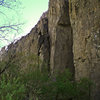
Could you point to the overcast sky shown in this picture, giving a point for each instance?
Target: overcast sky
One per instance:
(31, 11)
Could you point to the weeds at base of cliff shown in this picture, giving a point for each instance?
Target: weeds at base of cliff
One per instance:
(37, 85)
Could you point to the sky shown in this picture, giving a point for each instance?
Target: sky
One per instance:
(28, 13)
(33, 11)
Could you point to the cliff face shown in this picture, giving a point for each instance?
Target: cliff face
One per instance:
(36, 44)
(60, 35)
(85, 21)
(66, 36)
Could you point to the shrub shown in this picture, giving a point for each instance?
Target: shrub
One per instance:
(33, 81)
(11, 89)
(33, 84)
(62, 87)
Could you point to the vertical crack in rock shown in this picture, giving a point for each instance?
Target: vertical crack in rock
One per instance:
(61, 39)
(43, 43)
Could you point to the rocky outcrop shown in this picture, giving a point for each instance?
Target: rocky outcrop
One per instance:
(66, 36)
(50, 40)
(61, 39)
(36, 44)
(85, 21)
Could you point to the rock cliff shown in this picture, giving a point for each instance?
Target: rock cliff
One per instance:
(66, 36)
(60, 32)
(85, 22)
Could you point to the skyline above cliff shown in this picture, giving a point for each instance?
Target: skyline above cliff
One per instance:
(28, 13)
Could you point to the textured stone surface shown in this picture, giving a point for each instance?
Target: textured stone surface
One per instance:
(60, 36)
(85, 20)
(68, 32)
(30, 45)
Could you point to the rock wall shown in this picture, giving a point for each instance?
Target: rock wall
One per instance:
(85, 21)
(66, 36)
(61, 39)
(36, 44)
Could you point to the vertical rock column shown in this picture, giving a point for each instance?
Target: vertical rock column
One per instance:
(60, 32)
(85, 20)
(43, 42)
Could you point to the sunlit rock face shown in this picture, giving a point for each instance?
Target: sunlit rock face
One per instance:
(66, 36)
(60, 32)
(85, 21)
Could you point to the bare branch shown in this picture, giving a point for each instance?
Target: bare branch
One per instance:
(7, 4)
(14, 27)
(7, 28)
(4, 30)
(1, 2)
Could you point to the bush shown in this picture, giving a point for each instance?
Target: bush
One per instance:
(11, 89)
(36, 85)
(33, 81)
(62, 87)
